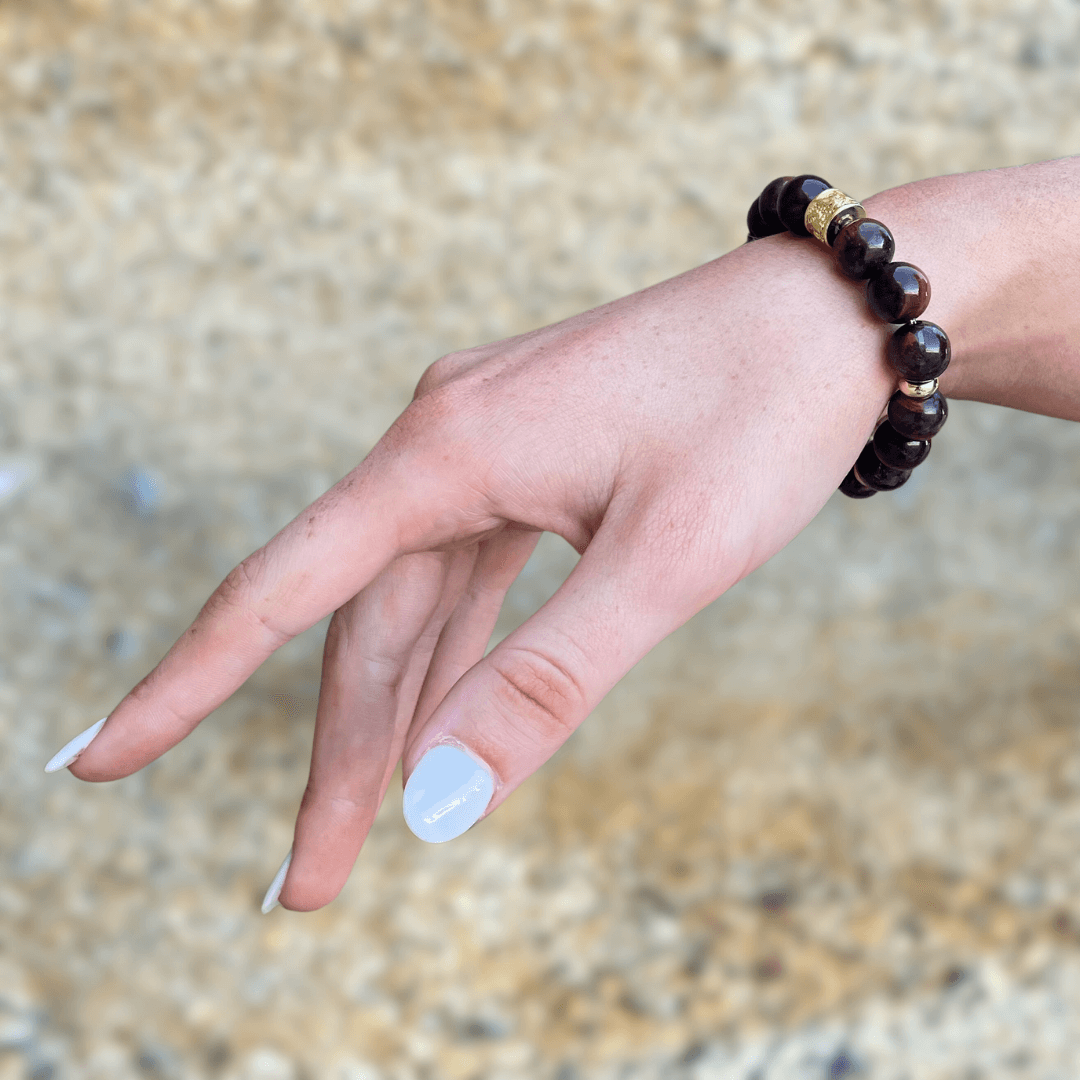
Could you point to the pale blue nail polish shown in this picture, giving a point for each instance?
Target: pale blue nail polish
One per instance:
(270, 900)
(67, 755)
(446, 794)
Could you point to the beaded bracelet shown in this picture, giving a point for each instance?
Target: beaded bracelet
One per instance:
(896, 292)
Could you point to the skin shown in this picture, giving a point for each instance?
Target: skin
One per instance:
(677, 438)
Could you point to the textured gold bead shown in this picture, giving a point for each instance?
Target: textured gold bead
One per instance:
(918, 390)
(824, 207)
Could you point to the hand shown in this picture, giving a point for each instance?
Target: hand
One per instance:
(677, 438)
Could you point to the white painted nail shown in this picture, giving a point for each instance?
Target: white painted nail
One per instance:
(65, 757)
(446, 794)
(270, 900)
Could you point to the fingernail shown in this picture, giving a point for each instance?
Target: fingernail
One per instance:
(270, 900)
(446, 794)
(65, 757)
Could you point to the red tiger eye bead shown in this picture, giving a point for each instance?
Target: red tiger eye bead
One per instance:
(918, 418)
(854, 488)
(898, 292)
(919, 351)
(767, 205)
(874, 473)
(898, 451)
(755, 225)
(862, 248)
(795, 197)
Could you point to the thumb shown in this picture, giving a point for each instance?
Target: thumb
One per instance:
(511, 711)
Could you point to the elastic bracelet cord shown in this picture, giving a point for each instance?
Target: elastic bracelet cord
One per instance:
(896, 292)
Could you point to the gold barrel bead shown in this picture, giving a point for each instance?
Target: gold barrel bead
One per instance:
(825, 206)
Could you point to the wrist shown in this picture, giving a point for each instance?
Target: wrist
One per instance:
(812, 329)
(1000, 249)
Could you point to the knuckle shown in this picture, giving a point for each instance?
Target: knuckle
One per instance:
(442, 433)
(541, 690)
(238, 594)
(381, 658)
(350, 806)
(238, 588)
(439, 373)
(341, 806)
(385, 674)
(426, 420)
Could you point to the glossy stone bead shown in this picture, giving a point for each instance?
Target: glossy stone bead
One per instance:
(917, 419)
(767, 205)
(755, 224)
(853, 488)
(898, 292)
(862, 248)
(898, 451)
(918, 351)
(795, 197)
(875, 474)
(842, 221)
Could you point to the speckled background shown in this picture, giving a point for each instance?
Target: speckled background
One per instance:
(829, 829)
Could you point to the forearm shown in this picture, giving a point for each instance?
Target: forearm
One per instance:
(1002, 251)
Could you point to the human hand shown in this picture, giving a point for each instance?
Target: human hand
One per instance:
(677, 438)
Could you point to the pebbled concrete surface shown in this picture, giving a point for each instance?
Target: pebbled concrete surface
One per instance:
(829, 829)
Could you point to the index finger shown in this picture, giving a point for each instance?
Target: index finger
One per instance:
(392, 503)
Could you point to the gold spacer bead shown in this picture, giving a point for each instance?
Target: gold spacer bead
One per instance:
(824, 207)
(918, 390)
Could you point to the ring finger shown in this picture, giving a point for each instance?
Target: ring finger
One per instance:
(376, 655)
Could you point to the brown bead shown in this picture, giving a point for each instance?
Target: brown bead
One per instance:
(853, 488)
(898, 292)
(770, 216)
(842, 221)
(874, 473)
(754, 223)
(918, 419)
(918, 351)
(862, 248)
(898, 451)
(795, 197)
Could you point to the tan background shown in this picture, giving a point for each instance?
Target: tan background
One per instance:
(828, 829)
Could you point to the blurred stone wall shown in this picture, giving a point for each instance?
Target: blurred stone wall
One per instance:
(828, 829)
